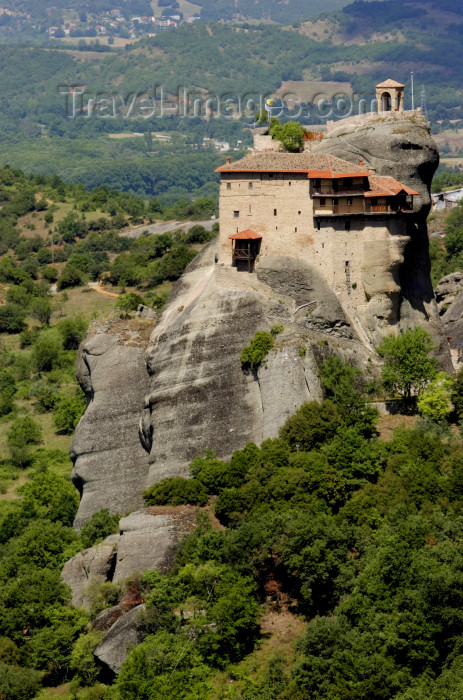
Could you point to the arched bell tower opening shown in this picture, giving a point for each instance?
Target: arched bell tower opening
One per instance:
(385, 102)
(390, 96)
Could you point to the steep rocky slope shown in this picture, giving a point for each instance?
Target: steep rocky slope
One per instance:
(196, 394)
(110, 466)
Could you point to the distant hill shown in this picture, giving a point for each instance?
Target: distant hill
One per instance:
(281, 11)
(352, 48)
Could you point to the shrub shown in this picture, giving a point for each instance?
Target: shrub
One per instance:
(72, 331)
(22, 435)
(176, 491)
(82, 659)
(435, 400)
(50, 273)
(68, 412)
(100, 525)
(12, 318)
(129, 302)
(41, 310)
(255, 353)
(7, 392)
(46, 351)
(311, 426)
(18, 683)
(71, 277)
(407, 366)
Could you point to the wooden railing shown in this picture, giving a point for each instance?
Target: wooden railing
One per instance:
(330, 192)
(348, 209)
(243, 254)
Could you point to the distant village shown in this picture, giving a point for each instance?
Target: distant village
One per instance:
(108, 24)
(113, 23)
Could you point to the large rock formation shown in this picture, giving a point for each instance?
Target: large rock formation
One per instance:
(148, 539)
(199, 396)
(447, 290)
(110, 466)
(196, 394)
(125, 633)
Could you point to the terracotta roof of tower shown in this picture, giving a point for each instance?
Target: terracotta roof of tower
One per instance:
(314, 164)
(387, 187)
(390, 84)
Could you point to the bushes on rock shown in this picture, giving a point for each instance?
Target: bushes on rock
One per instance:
(99, 526)
(255, 353)
(176, 491)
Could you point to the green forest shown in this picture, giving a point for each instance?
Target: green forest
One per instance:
(325, 563)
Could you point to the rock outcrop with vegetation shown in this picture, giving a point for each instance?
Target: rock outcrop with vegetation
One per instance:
(197, 395)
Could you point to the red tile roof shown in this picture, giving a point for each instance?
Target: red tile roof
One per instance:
(274, 162)
(315, 165)
(390, 84)
(246, 235)
(387, 187)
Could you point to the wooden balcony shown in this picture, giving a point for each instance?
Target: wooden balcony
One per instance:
(363, 208)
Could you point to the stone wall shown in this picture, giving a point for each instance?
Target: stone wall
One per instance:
(286, 232)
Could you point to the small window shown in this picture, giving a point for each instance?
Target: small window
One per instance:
(228, 185)
(323, 245)
(236, 214)
(318, 226)
(323, 201)
(299, 213)
(317, 183)
(349, 200)
(335, 201)
(250, 185)
(289, 184)
(250, 209)
(295, 229)
(274, 212)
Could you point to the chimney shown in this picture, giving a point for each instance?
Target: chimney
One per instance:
(228, 160)
(361, 162)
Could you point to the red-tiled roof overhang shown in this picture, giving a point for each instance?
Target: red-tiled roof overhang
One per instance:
(246, 235)
(387, 187)
(328, 174)
(225, 169)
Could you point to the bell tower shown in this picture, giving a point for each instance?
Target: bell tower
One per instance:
(390, 96)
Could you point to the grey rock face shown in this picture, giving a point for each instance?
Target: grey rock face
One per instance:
(453, 322)
(94, 564)
(199, 395)
(109, 463)
(148, 539)
(317, 308)
(145, 312)
(447, 290)
(126, 632)
(402, 148)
